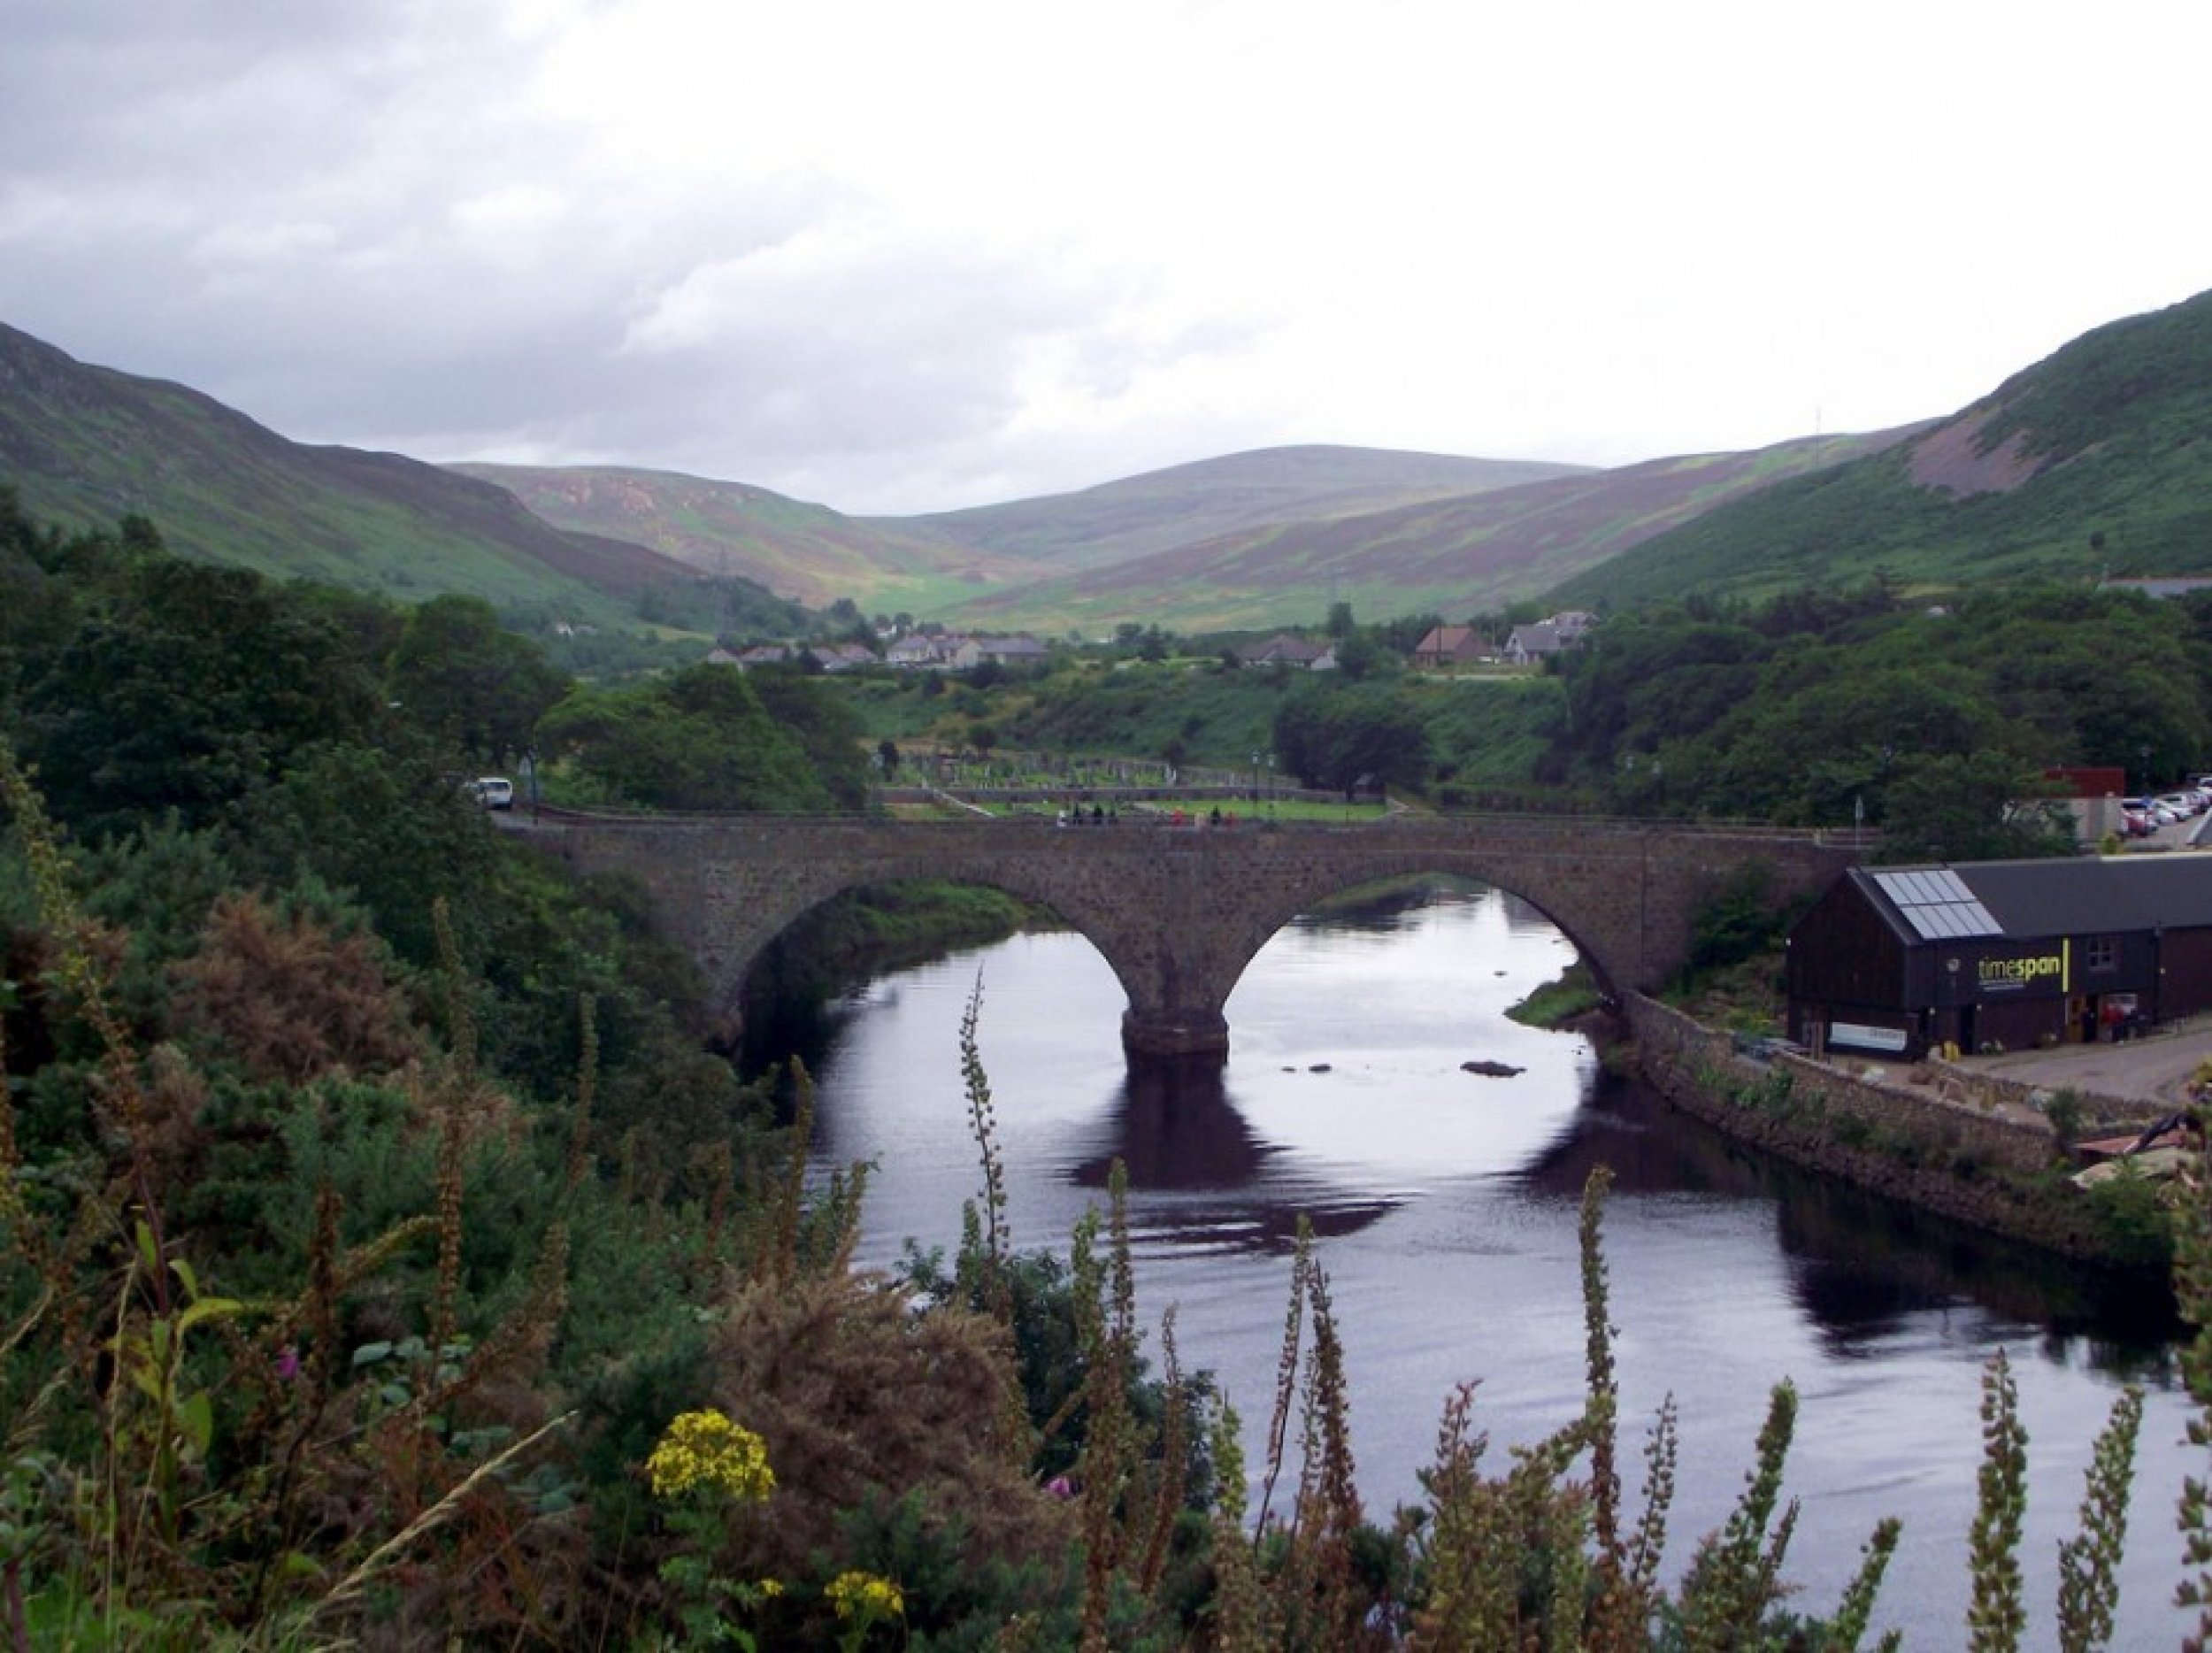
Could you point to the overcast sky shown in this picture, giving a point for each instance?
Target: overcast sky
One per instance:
(900, 255)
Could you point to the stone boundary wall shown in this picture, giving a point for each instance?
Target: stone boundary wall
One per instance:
(1986, 1166)
(2008, 1130)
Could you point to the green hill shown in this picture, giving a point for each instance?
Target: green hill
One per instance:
(1014, 558)
(84, 446)
(2096, 462)
(1456, 556)
(808, 553)
(1239, 494)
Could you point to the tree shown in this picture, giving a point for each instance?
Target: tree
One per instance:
(823, 722)
(475, 684)
(1964, 808)
(186, 687)
(1362, 655)
(700, 739)
(1339, 736)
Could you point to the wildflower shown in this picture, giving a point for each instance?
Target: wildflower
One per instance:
(705, 1448)
(288, 1363)
(866, 1598)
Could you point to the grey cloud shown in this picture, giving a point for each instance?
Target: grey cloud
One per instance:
(278, 219)
(300, 212)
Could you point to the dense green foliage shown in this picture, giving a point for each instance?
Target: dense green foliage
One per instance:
(221, 729)
(353, 1067)
(710, 738)
(1357, 736)
(1471, 739)
(478, 687)
(1933, 724)
(382, 1261)
(1927, 722)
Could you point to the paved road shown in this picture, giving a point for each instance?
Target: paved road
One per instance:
(2154, 1068)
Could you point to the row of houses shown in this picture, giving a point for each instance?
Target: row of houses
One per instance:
(944, 653)
(950, 652)
(1443, 646)
(954, 651)
(1286, 650)
(1525, 645)
(831, 656)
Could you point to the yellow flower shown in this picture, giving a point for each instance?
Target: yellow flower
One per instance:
(706, 1450)
(866, 1596)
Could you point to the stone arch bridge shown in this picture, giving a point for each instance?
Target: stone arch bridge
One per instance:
(1179, 912)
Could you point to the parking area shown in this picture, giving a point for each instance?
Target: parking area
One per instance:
(2156, 1067)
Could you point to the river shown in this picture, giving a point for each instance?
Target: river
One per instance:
(1445, 1202)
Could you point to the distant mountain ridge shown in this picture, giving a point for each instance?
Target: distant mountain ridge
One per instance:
(1458, 555)
(1136, 517)
(1259, 538)
(2098, 460)
(85, 446)
(944, 562)
(810, 553)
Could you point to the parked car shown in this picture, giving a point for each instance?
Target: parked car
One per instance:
(2181, 803)
(493, 792)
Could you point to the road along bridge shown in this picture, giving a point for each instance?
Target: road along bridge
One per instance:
(1180, 911)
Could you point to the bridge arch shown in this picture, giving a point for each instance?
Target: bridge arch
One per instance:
(731, 953)
(1178, 913)
(1303, 895)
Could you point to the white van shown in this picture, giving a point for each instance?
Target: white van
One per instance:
(493, 792)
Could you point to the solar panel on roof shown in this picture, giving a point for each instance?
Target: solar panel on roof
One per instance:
(1937, 904)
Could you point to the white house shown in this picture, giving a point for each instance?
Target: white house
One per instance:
(1544, 638)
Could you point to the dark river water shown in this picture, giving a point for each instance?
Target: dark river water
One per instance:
(1445, 1203)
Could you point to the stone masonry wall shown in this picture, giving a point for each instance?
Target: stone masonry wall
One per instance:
(1974, 1157)
(2000, 1130)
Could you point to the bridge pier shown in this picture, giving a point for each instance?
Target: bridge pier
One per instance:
(1183, 1038)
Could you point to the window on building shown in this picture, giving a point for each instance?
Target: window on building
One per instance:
(2101, 953)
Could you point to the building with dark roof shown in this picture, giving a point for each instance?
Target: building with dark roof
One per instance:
(2001, 955)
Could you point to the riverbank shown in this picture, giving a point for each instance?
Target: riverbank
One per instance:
(1976, 1144)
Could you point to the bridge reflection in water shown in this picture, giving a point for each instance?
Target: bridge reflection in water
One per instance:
(1182, 1142)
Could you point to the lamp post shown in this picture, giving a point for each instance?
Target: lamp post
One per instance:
(1256, 777)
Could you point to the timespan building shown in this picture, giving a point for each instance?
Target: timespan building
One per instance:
(1896, 962)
